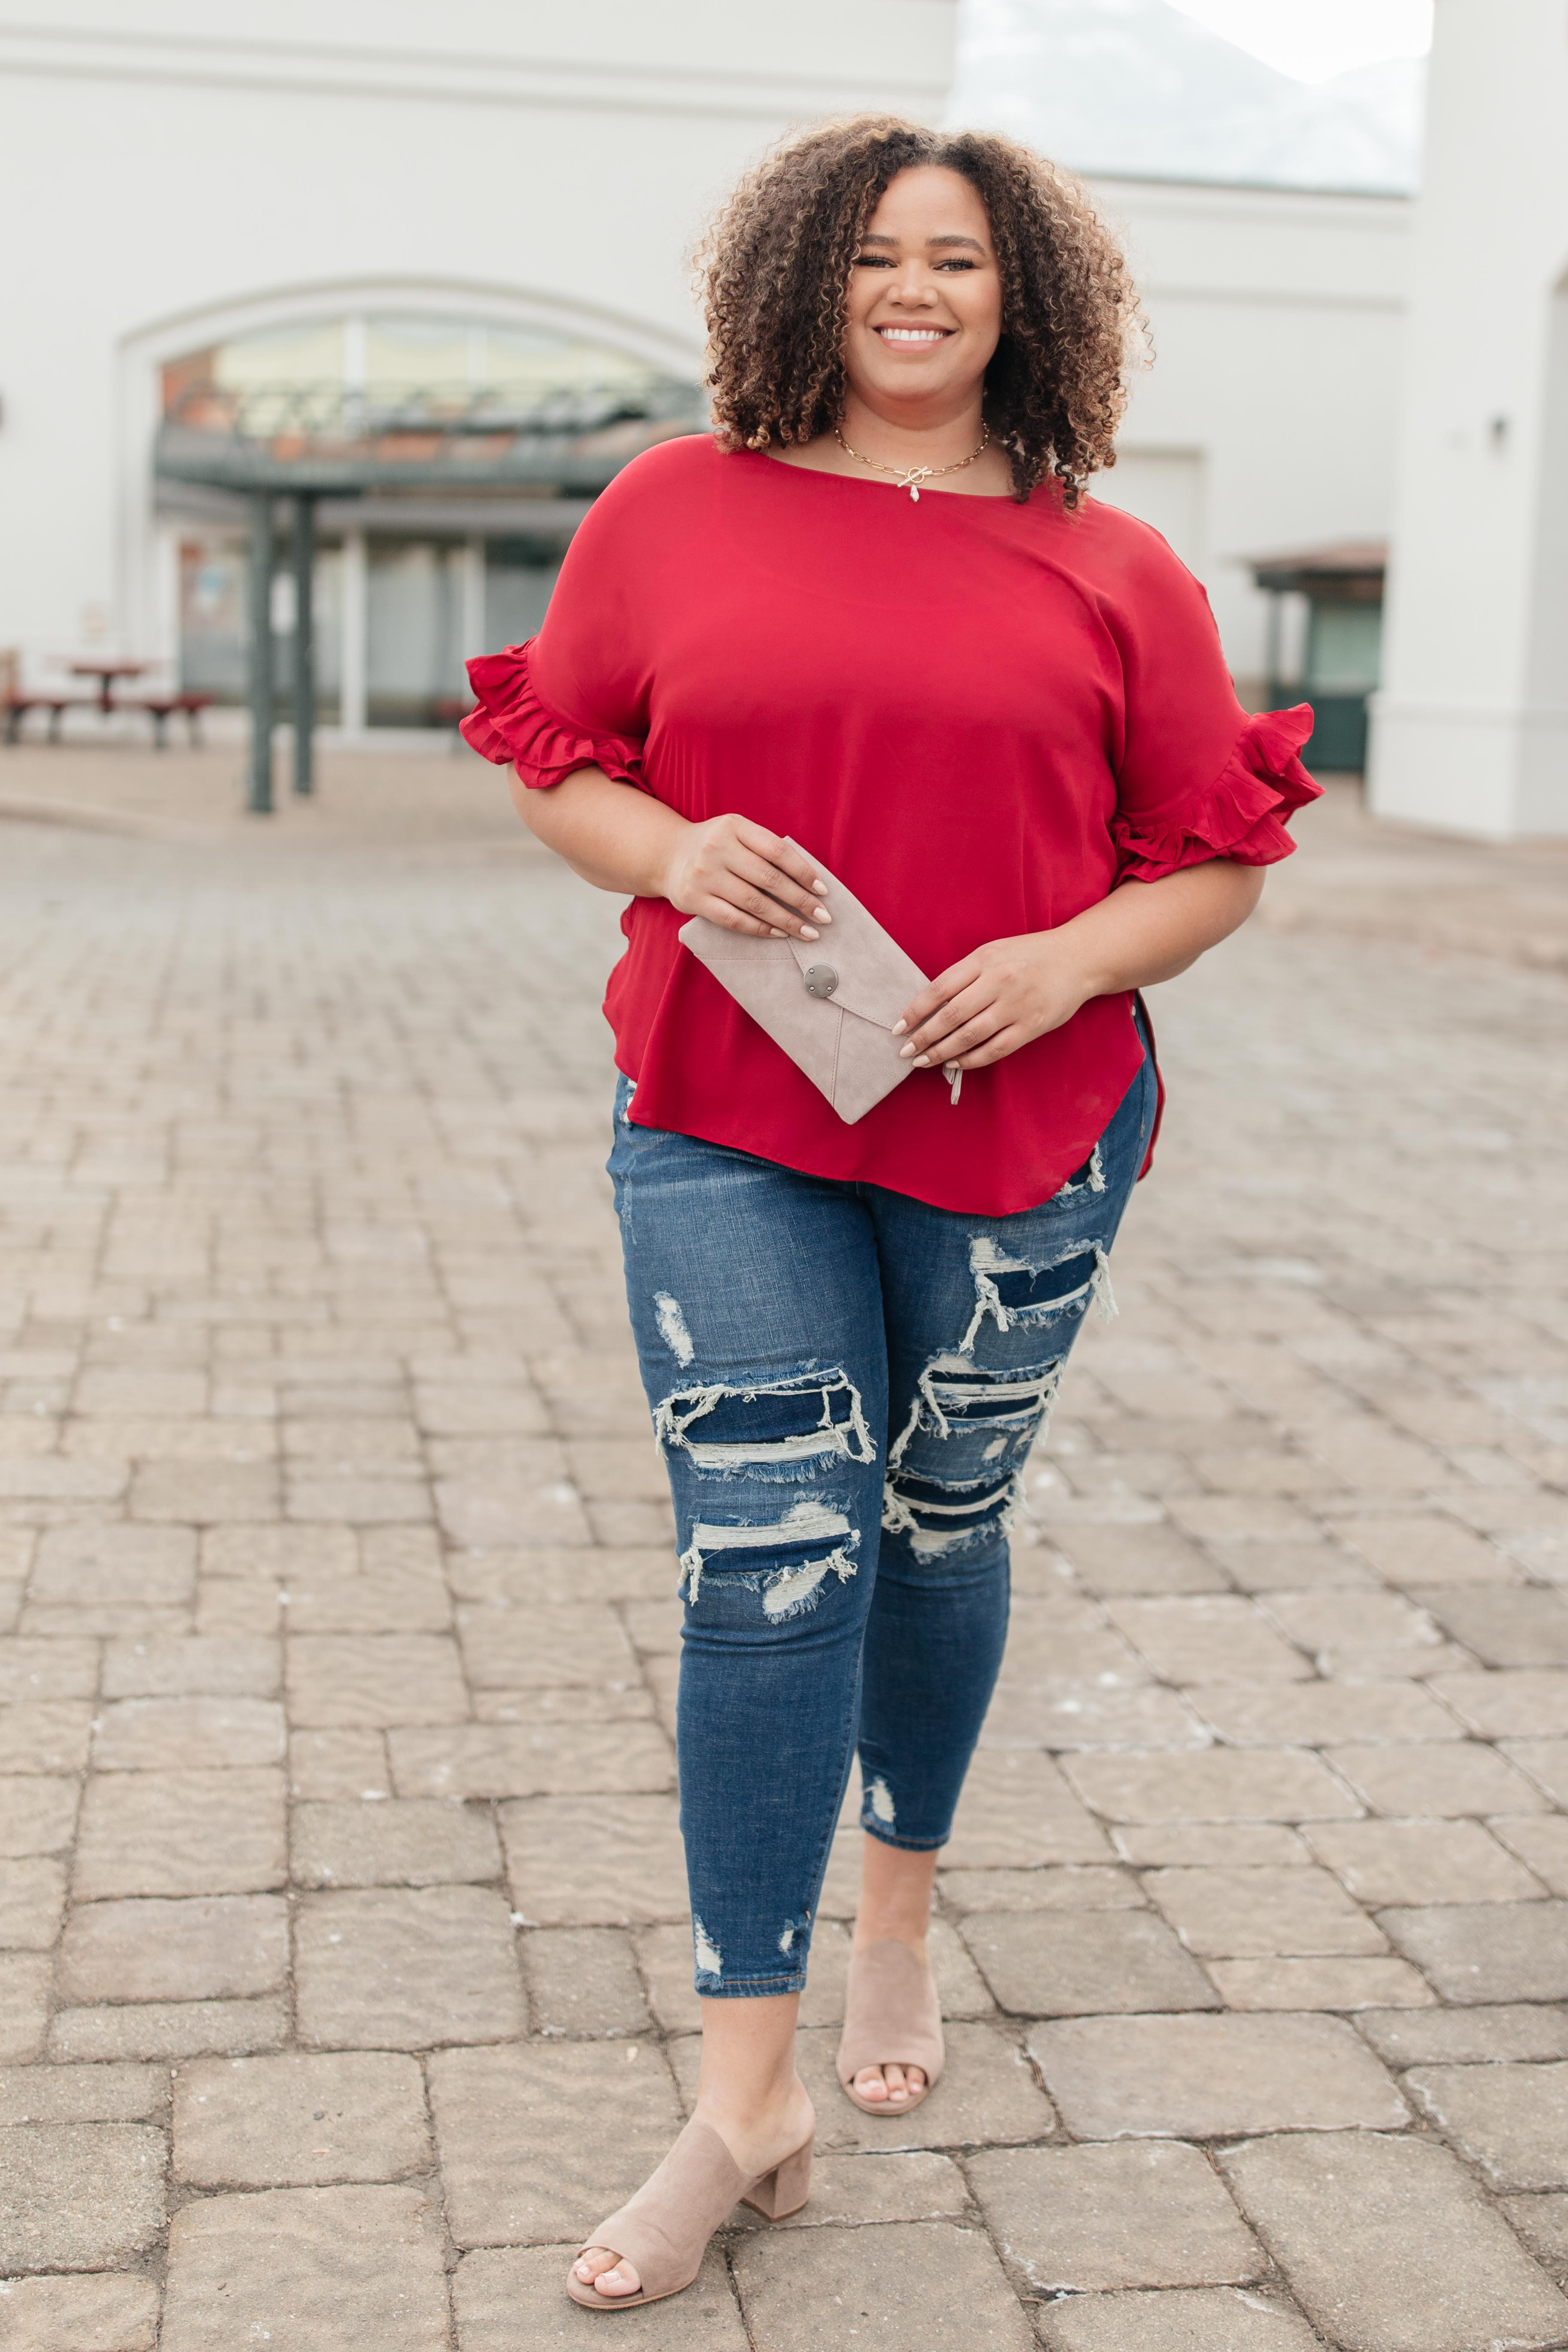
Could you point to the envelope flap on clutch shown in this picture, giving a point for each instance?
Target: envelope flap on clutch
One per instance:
(874, 976)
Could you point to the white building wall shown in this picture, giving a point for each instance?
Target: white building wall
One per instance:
(185, 173)
(1277, 322)
(161, 162)
(1471, 729)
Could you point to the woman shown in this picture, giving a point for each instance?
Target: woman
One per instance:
(872, 616)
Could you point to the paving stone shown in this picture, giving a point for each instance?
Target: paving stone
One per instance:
(315, 2268)
(1126, 2215)
(87, 1565)
(1521, 1627)
(181, 1834)
(1112, 1559)
(32, 1902)
(406, 1600)
(1542, 2223)
(555, 1848)
(338, 1680)
(1081, 1964)
(36, 1814)
(513, 1649)
(1546, 1762)
(1510, 2120)
(1364, 1636)
(1542, 1843)
(107, 2313)
(1389, 1861)
(538, 2142)
(914, 2286)
(1208, 1638)
(1469, 2036)
(846, 2192)
(150, 1734)
(349, 1765)
(1486, 1951)
(203, 1493)
(1322, 1714)
(1071, 1715)
(298, 2120)
(1017, 1813)
(31, 1671)
(1211, 2077)
(1260, 1913)
(987, 2096)
(180, 2029)
(211, 1947)
(511, 2299)
(1213, 2319)
(1389, 2246)
(1419, 1548)
(1514, 1703)
(24, 1979)
(1211, 1845)
(394, 1968)
(1081, 1887)
(538, 1758)
(1323, 1984)
(79, 2195)
(195, 1664)
(45, 1736)
(1435, 1782)
(1281, 1784)
(583, 1981)
(82, 2094)
(411, 1841)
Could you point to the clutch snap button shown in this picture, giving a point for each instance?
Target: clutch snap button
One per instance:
(821, 979)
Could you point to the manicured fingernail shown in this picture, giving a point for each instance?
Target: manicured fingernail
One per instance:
(822, 914)
(899, 1027)
(819, 886)
(807, 933)
(922, 1061)
(906, 1053)
(778, 935)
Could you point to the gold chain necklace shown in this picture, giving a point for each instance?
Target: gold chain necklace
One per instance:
(909, 477)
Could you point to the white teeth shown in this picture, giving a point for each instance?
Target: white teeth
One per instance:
(911, 334)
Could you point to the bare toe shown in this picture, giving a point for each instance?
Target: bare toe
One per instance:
(599, 2268)
(898, 2092)
(870, 2083)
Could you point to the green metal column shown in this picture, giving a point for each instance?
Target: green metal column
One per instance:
(304, 680)
(259, 799)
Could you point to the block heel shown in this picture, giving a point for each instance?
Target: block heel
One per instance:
(785, 2190)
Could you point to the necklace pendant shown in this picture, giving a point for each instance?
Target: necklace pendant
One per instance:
(914, 494)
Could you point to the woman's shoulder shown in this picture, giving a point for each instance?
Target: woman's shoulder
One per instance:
(1117, 554)
(669, 470)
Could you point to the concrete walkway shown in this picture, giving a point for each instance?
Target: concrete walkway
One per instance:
(345, 1977)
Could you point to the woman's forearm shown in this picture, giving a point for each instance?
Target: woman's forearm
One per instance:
(613, 836)
(1149, 931)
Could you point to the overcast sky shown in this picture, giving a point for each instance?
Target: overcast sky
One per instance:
(1314, 38)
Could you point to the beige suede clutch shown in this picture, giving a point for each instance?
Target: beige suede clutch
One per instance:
(830, 1003)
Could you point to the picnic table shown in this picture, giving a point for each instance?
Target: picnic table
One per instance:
(106, 672)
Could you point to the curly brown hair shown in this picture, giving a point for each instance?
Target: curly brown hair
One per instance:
(774, 275)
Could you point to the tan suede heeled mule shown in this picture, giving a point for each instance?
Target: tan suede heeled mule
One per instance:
(663, 2231)
(891, 2018)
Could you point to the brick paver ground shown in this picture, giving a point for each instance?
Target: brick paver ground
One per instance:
(344, 1978)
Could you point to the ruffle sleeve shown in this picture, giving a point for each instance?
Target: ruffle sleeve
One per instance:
(514, 727)
(1241, 815)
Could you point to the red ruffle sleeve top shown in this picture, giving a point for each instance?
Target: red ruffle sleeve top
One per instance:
(981, 714)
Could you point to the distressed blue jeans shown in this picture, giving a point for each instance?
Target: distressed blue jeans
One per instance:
(846, 1384)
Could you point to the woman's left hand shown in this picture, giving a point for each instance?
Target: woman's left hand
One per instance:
(987, 1005)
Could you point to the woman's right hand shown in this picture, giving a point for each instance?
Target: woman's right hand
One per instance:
(745, 879)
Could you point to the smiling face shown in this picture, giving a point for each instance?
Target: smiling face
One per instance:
(925, 298)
